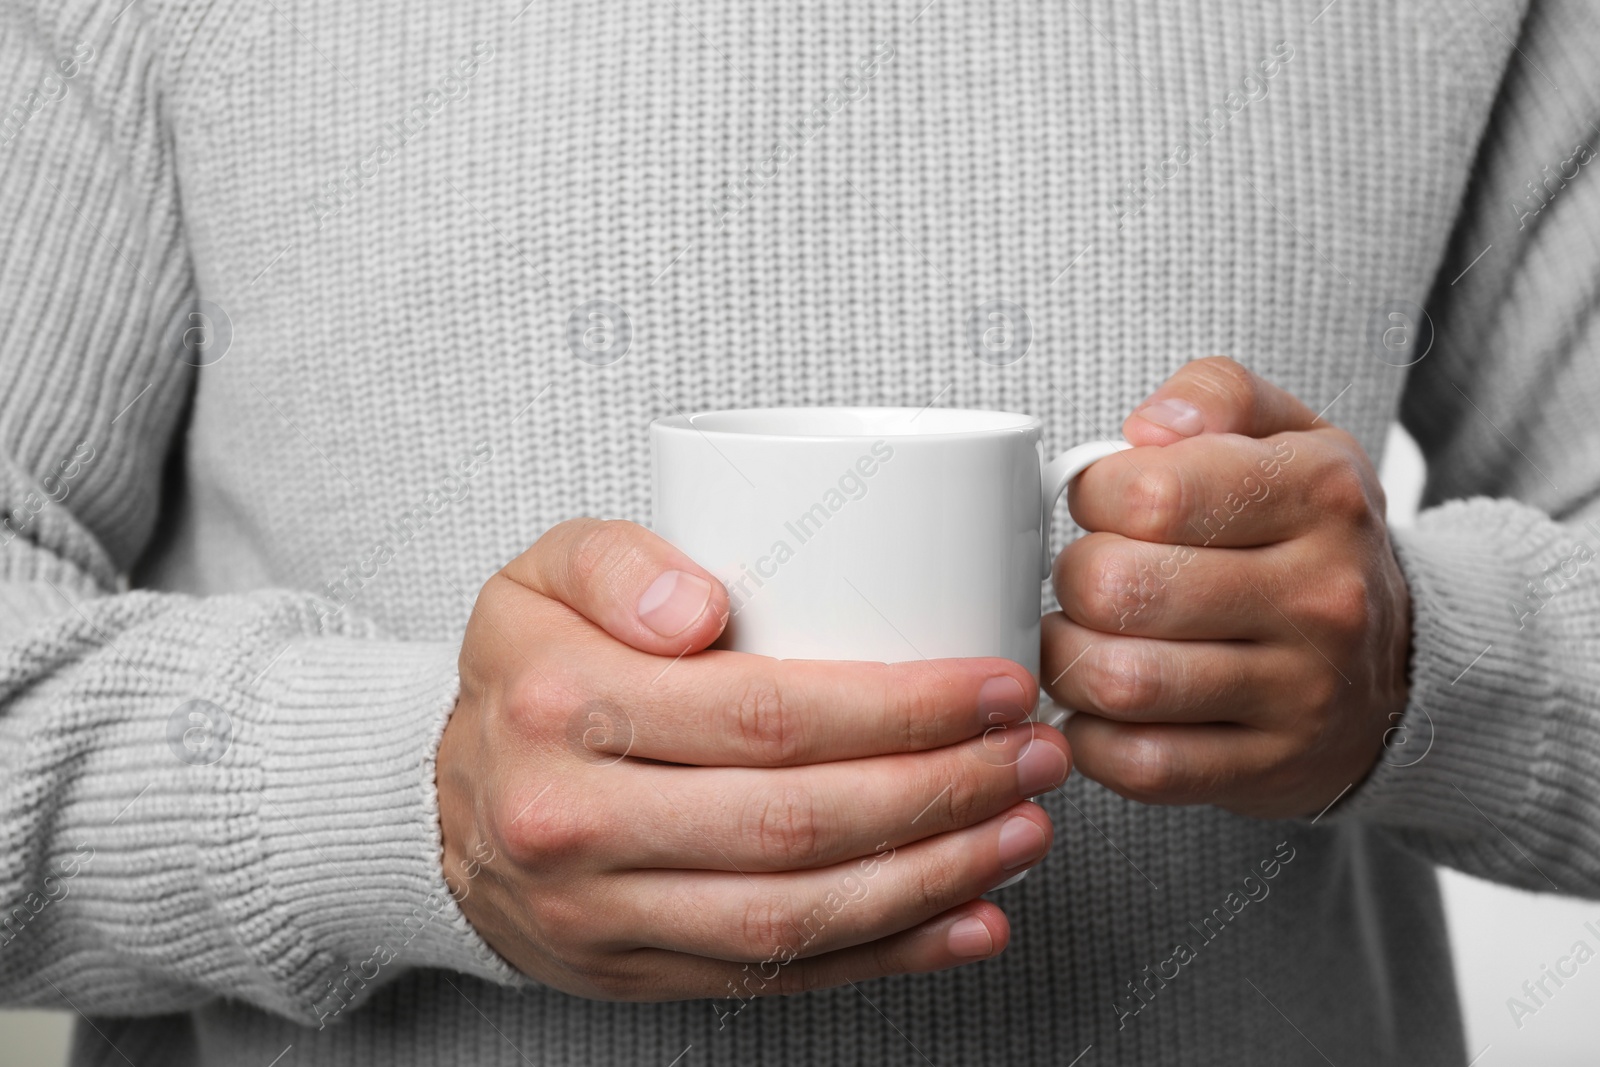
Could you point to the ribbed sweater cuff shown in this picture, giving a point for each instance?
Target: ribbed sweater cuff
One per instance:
(1478, 725)
(349, 820)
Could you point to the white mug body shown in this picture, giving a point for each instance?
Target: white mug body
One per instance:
(883, 534)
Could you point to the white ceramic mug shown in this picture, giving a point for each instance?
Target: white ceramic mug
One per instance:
(882, 534)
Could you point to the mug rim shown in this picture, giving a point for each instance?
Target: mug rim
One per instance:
(1003, 423)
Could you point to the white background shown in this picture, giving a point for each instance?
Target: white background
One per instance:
(1503, 937)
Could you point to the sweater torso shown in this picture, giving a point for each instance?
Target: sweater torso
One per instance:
(397, 214)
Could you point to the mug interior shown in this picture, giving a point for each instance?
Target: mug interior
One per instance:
(852, 422)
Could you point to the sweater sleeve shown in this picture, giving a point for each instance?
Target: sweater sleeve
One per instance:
(199, 797)
(1494, 767)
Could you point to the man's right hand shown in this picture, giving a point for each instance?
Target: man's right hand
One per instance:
(629, 817)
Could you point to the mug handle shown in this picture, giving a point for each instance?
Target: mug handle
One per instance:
(1054, 478)
(1056, 475)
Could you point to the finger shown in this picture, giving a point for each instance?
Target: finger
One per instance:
(795, 818)
(1224, 491)
(1115, 585)
(628, 581)
(1137, 679)
(756, 917)
(1171, 764)
(734, 709)
(1215, 395)
(972, 932)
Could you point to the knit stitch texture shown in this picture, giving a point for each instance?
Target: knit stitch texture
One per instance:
(391, 213)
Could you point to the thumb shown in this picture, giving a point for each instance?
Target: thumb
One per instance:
(1215, 395)
(628, 581)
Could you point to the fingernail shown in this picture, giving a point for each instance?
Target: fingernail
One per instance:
(1001, 702)
(1179, 416)
(1040, 767)
(969, 938)
(1021, 842)
(673, 602)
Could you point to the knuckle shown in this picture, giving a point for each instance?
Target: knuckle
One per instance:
(936, 884)
(796, 978)
(1228, 378)
(1319, 693)
(532, 699)
(766, 924)
(964, 800)
(1342, 602)
(765, 722)
(783, 828)
(599, 546)
(567, 530)
(534, 828)
(1111, 590)
(1147, 770)
(1341, 490)
(605, 978)
(917, 708)
(885, 956)
(498, 595)
(1122, 682)
(524, 700)
(1156, 502)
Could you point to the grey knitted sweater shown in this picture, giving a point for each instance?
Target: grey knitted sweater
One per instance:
(242, 537)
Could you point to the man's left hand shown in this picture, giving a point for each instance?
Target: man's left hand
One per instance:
(1236, 629)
